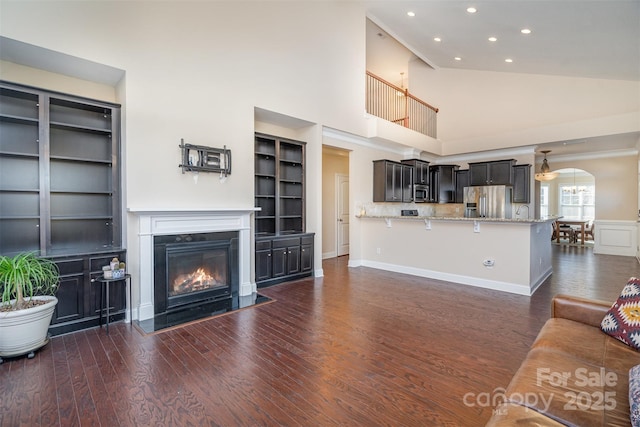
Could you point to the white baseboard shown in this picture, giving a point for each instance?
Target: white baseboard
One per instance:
(354, 263)
(247, 289)
(145, 311)
(513, 288)
(331, 254)
(318, 272)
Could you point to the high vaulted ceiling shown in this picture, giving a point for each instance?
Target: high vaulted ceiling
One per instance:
(575, 38)
(592, 38)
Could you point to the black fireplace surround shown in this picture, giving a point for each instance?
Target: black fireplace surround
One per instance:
(191, 269)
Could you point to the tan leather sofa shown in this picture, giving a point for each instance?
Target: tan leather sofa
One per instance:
(574, 374)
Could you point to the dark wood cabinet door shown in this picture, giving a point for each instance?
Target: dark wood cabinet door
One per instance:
(420, 170)
(394, 182)
(501, 173)
(442, 187)
(263, 265)
(70, 296)
(306, 258)
(279, 256)
(293, 259)
(521, 183)
(462, 180)
(479, 174)
(407, 183)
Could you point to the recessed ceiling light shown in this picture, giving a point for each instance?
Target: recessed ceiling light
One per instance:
(437, 39)
(525, 31)
(508, 60)
(411, 13)
(493, 39)
(472, 10)
(457, 58)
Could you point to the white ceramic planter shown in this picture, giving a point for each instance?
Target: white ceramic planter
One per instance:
(23, 331)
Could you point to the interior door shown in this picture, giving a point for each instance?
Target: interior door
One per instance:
(342, 205)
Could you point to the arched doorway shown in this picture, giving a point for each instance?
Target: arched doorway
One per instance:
(571, 195)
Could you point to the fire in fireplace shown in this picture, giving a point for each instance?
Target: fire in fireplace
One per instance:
(199, 280)
(194, 268)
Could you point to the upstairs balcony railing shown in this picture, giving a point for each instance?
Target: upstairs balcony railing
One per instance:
(397, 105)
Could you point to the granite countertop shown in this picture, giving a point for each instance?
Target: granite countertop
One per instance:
(458, 218)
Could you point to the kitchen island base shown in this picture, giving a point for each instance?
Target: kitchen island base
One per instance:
(509, 255)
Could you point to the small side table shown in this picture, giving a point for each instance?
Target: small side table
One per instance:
(104, 286)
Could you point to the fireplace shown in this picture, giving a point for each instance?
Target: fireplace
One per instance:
(154, 223)
(195, 268)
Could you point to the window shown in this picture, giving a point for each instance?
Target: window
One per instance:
(544, 200)
(577, 202)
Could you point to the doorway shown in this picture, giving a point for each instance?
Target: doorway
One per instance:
(342, 214)
(335, 202)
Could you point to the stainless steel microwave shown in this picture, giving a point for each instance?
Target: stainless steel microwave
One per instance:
(420, 193)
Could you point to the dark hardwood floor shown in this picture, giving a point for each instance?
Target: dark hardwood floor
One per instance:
(357, 347)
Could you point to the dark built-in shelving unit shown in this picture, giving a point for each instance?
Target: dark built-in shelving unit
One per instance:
(60, 190)
(283, 250)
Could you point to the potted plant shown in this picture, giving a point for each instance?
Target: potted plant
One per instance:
(27, 285)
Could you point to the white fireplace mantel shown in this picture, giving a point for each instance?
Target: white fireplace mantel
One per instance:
(156, 222)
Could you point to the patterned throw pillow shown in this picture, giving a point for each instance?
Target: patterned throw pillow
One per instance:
(634, 395)
(622, 321)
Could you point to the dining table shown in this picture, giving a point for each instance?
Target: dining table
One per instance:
(572, 223)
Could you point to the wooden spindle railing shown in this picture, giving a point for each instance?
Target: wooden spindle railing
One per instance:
(397, 105)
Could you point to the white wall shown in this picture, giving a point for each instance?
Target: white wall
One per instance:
(53, 81)
(197, 70)
(616, 184)
(482, 110)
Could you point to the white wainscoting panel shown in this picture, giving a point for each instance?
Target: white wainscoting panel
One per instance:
(616, 237)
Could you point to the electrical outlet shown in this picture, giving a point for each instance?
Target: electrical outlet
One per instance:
(378, 251)
(476, 226)
(488, 263)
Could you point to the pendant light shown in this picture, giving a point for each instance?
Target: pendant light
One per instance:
(545, 171)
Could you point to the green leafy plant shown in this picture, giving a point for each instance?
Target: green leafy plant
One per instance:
(24, 276)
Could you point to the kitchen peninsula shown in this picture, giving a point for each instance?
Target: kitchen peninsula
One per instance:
(512, 255)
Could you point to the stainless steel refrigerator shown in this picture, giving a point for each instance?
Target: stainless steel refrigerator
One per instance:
(489, 201)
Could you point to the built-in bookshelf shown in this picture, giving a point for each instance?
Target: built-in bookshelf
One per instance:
(283, 250)
(60, 193)
(279, 185)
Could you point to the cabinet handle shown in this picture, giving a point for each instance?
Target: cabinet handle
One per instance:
(268, 254)
(289, 251)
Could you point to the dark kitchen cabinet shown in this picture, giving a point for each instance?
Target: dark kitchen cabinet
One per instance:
(442, 180)
(392, 181)
(462, 180)
(498, 172)
(420, 170)
(522, 183)
(280, 259)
